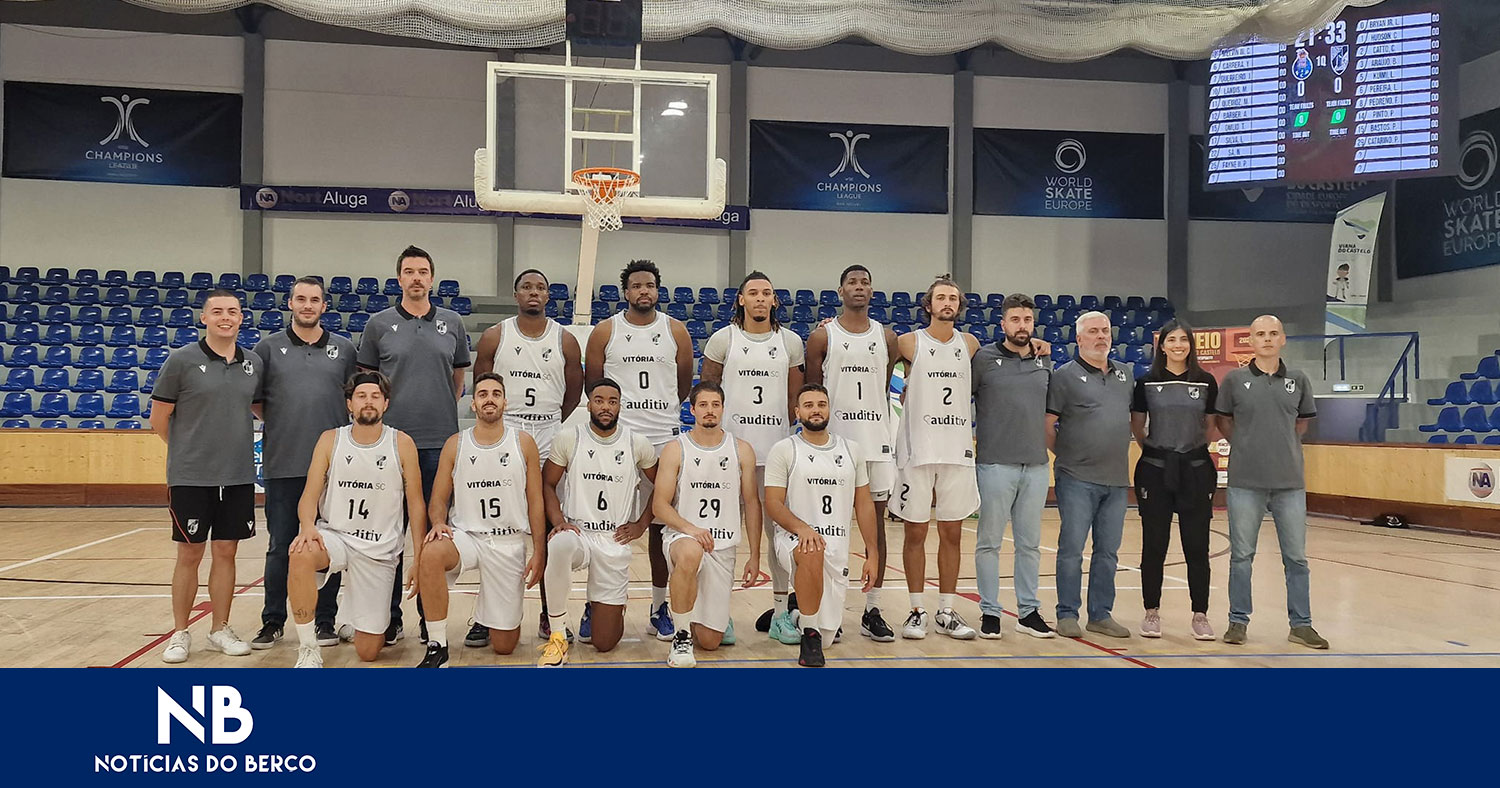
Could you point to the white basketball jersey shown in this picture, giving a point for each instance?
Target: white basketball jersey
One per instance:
(601, 481)
(937, 416)
(535, 380)
(856, 375)
(708, 489)
(366, 494)
(820, 489)
(755, 404)
(643, 360)
(489, 486)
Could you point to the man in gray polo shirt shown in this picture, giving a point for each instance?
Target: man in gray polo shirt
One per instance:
(1088, 428)
(201, 407)
(423, 349)
(306, 367)
(1010, 411)
(1264, 410)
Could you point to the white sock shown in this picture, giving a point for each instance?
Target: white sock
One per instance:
(682, 622)
(945, 601)
(658, 596)
(807, 620)
(559, 622)
(916, 600)
(778, 601)
(307, 633)
(872, 598)
(437, 632)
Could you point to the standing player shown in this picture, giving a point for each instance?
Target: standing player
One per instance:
(493, 475)
(759, 363)
(594, 518)
(816, 482)
(651, 355)
(935, 455)
(542, 366)
(854, 356)
(202, 410)
(351, 520)
(704, 480)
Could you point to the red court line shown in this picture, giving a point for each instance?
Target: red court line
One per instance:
(160, 639)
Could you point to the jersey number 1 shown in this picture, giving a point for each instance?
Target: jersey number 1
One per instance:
(364, 514)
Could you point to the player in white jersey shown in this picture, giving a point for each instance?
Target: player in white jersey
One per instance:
(590, 484)
(935, 475)
(854, 357)
(705, 482)
(651, 355)
(816, 483)
(543, 370)
(350, 516)
(759, 363)
(492, 472)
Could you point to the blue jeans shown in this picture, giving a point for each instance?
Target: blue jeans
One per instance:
(1087, 507)
(1247, 510)
(1017, 493)
(282, 496)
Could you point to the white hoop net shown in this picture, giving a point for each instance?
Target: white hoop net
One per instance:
(603, 190)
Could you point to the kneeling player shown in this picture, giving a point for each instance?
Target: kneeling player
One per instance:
(602, 462)
(494, 475)
(350, 516)
(815, 484)
(705, 480)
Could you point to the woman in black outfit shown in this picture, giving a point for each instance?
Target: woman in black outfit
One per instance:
(1172, 418)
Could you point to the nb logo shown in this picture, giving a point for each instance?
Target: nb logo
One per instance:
(125, 124)
(226, 706)
(851, 159)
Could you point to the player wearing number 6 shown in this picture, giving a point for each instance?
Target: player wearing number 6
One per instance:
(493, 473)
(705, 481)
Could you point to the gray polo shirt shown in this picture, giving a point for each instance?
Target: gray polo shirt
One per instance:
(419, 355)
(211, 437)
(304, 396)
(1010, 406)
(1092, 407)
(1265, 450)
(1175, 406)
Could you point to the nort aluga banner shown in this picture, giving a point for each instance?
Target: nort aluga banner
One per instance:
(1351, 258)
(1076, 174)
(121, 134)
(1453, 223)
(848, 167)
(1312, 203)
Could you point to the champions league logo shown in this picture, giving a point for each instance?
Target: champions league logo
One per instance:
(125, 105)
(851, 159)
(842, 180)
(124, 136)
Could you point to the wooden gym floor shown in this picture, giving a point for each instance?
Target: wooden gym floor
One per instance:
(89, 587)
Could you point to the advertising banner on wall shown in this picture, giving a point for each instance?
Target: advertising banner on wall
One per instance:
(1351, 259)
(1451, 224)
(1221, 350)
(848, 167)
(1078, 174)
(1470, 480)
(1313, 203)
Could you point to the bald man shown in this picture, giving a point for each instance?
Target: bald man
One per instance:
(1263, 409)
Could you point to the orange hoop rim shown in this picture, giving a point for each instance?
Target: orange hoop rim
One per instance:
(605, 189)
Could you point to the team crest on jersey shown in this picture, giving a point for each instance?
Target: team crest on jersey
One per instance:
(809, 458)
(380, 463)
(333, 352)
(619, 457)
(1291, 387)
(872, 347)
(248, 366)
(656, 339)
(958, 353)
(1120, 375)
(1157, 390)
(1040, 364)
(846, 345)
(1193, 393)
(591, 454)
(442, 326)
(547, 354)
(838, 459)
(192, 526)
(723, 463)
(770, 351)
(348, 458)
(518, 350)
(504, 459)
(932, 351)
(473, 459)
(697, 461)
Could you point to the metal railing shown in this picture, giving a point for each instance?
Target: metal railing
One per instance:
(1396, 388)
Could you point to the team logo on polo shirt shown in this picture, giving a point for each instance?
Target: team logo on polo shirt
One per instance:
(1192, 393)
(1291, 387)
(1120, 375)
(333, 352)
(248, 367)
(442, 326)
(192, 526)
(202, 367)
(1156, 389)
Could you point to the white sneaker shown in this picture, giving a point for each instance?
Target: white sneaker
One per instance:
(226, 641)
(950, 623)
(308, 656)
(177, 647)
(682, 652)
(915, 627)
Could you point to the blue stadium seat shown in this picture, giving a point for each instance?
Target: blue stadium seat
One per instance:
(1060, 354)
(697, 329)
(84, 276)
(708, 295)
(462, 305)
(1465, 440)
(828, 298)
(357, 322)
(26, 294)
(350, 303)
(16, 424)
(901, 315)
(53, 424)
(825, 311)
(724, 312)
(283, 283)
(123, 358)
(115, 296)
(19, 380)
(994, 300)
(901, 328)
(88, 381)
(91, 424)
(1112, 302)
(1448, 421)
(879, 314)
(25, 313)
(980, 330)
(377, 303)
(184, 336)
(1067, 333)
(1438, 439)
(89, 358)
(678, 310)
(115, 277)
(367, 285)
(263, 300)
(58, 335)
(664, 294)
(123, 380)
(1482, 393)
(1043, 302)
(447, 288)
(557, 291)
(1489, 367)
(1135, 302)
(145, 298)
(1159, 304)
(437, 301)
(150, 316)
(173, 280)
(55, 405)
(88, 316)
(230, 280)
(271, 321)
(53, 380)
(155, 336)
(201, 280)
(901, 299)
(248, 338)
(610, 293)
(877, 298)
(802, 330)
(128, 424)
(58, 357)
(25, 334)
(86, 295)
(600, 310)
(806, 298)
(704, 312)
(88, 406)
(682, 295)
(200, 298)
(782, 315)
(16, 404)
(91, 334)
(1088, 302)
(392, 288)
(25, 275)
(143, 279)
(57, 315)
(338, 285)
(551, 309)
(175, 298)
(180, 317)
(4, 316)
(124, 406)
(4, 274)
(802, 313)
(974, 315)
(256, 283)
(121, 336)
(149, 383)
(784, 297)
(55, 294)
(119, 316)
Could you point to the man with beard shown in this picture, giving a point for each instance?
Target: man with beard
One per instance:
(542, 368)
(350, 516)
(705, 480)
(493, 474)
(1010, 411)
(651, 355)
(595, 517)
(816, 482)
(305, 369)
(935, 455)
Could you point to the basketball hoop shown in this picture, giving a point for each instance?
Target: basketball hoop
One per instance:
(603, 189)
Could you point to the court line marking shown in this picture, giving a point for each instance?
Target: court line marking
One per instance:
(1087, 557)
(49, 556)
(836, 659)
(162, 638)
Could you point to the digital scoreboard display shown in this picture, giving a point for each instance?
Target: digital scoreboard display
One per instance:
(1370, 96)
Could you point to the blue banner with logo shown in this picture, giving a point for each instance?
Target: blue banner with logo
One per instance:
(1453, 223)
(434, 202)
(124, 135)
(1313, 203)
(848, 167)
(1076, 174)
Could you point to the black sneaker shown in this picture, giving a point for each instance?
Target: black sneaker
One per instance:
(872, 626)
(1033, 625)
(266, 638)
(437, 657)
(989, 627)
(326, 636)
(811, 655)
(763, 624)
(479, 636)
(393, 633)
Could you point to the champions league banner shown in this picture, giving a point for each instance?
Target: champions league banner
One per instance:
(121, 135)
(1451, 224)
(848, 167)
(1076, 174)
(1313, 203)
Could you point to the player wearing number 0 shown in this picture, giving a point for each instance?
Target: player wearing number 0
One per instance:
(935, 455)
(816, 482)
(493, 473)
(705, 480)
(350, 517)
